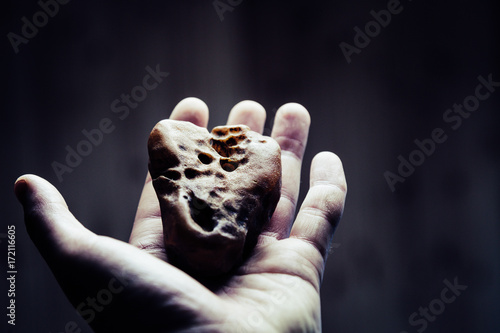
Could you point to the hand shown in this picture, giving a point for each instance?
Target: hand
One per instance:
(120, 287)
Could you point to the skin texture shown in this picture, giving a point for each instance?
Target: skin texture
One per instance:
(275, 290)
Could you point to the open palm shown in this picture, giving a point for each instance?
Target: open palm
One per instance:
(120, 287)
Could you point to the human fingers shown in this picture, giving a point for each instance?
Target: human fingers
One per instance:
(92, 269)
(191, 109)
(248, 113)
(322, 208)
(147, 232)
(290, 130)
(44, 209)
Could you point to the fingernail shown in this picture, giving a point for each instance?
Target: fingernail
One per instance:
(20, 189)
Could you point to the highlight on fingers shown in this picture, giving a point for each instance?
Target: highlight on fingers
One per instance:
(323, 206)
(290, 130)
(49, 223)
(327, 171)
(249, 113)
(191, 109)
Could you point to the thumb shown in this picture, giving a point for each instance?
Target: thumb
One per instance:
(63, 242)
(88, 266)
(48, 220)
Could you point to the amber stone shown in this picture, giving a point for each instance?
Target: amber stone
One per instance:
(216, 191)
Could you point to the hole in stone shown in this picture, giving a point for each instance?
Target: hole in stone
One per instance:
(243, 215)
(181, 147)
(241, 137)
(191, 173)
(230, 208)
(231, 141)
(230, 229)
(221, 148)
(202, 214)
(205, 158)
(239, 150)
(164, 185)
(173, 175)
(228, 165)
(220, 132)
(235, 129)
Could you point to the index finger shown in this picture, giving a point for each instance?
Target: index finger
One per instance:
(147, 225)
(248, 113)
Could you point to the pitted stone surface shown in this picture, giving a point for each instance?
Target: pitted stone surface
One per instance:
(216, 191)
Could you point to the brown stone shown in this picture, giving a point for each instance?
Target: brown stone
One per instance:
(216, 191)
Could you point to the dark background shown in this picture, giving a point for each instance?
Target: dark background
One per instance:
(393, 249)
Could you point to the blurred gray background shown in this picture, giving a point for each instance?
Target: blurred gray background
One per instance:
(393, 249)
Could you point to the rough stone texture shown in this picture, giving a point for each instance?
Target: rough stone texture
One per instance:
(216, 191)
